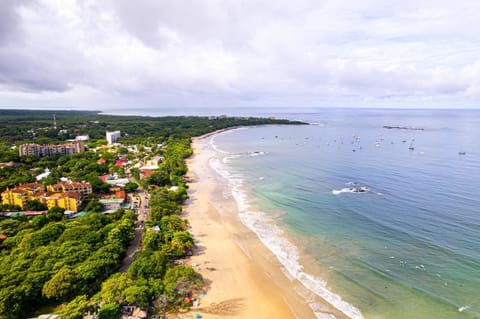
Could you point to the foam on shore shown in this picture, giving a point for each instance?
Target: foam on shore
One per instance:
(274, 239)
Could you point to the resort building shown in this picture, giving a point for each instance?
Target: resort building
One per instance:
(112, 137)
(37, 150)
(57, 195)
(69, 200)
(21, 194)
(83, 188)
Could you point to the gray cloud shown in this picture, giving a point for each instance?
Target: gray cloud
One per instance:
(9, 21)
(226, 52)
(30, 73)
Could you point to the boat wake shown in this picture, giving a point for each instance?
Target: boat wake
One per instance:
(256, 153)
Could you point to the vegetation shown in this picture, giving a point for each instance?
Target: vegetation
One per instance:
(59, 261)
(37, 126)
(73, 263)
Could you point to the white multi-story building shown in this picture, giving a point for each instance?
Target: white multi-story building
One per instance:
(112, 137)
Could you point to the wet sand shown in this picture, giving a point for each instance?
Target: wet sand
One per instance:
(243, 278)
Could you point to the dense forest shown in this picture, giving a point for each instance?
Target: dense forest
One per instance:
(70, 265)
(37, 126)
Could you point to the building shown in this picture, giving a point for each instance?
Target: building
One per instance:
(111, 204)
(68, 200)
(45, 174)
(82, 138)
(83, 188)
(119, 192)
(68, 197)
(153, 163)
(21, 194)
(29, 150)
(145, 173)
(121, 162)
(117, 181)
(37, 150)
(112, 137)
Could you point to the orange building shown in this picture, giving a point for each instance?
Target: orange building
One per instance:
(119, 192)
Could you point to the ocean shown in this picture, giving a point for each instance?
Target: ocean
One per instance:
(380, 222)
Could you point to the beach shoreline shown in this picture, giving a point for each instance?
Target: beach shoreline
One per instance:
(243, 277)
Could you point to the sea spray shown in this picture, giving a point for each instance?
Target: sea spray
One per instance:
(274, 239)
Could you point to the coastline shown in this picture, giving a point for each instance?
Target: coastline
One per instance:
(244, 279)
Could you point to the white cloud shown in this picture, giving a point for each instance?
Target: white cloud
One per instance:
(233, 53)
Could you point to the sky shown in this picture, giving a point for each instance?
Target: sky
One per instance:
(122, 54)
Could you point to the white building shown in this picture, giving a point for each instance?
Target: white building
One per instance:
(82, 138)
(43, 175)
(112, 137)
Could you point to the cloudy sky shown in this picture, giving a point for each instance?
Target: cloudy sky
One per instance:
(112, 54)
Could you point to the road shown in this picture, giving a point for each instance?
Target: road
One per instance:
(142, 211)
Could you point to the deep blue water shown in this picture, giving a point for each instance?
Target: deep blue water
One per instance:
(407, 248)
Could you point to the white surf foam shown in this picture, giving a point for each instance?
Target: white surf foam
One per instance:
(273, 238)
(362, 190)
(340, 191)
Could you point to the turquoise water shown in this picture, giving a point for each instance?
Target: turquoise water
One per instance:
(407, 248)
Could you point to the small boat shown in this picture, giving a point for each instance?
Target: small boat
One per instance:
(411, 147)
(357, 190)
(463, 308)
(362, 189)
(462, 153)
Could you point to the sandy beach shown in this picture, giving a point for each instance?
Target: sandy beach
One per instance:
(243, 278)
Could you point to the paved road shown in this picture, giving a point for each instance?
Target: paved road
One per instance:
(142, 214)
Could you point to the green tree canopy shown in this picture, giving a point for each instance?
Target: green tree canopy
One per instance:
(36, 205)
(130, 187)
(61, 286)
(94, 206)
(55, 213)
(109, 311)
(113, 288)
(39, 221)
(75, 308)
